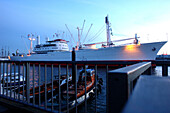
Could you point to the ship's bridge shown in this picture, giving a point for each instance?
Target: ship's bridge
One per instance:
(52, 46)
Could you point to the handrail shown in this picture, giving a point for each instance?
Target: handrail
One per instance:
(120, 84)
(76, 62)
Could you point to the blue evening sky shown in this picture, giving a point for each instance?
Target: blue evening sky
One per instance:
(149, 18)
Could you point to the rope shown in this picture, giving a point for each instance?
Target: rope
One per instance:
(97, 34)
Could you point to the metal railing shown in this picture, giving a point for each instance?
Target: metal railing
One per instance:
(23, 82)
(28, 79)
(121, 83)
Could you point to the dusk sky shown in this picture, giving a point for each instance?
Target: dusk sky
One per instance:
(149, 18)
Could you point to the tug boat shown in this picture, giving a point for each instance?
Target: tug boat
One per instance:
(90, 91)
(12, 80)
(49, 90)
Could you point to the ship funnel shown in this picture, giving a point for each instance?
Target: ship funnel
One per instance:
(38, 40)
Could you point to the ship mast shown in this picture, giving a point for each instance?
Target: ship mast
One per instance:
(107, 30)
(78, 43)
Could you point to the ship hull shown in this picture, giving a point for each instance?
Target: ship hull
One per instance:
(146, 51)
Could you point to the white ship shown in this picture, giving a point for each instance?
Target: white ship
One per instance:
(58, 50)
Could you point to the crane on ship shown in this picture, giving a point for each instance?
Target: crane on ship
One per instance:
(31, 38)
(78, 44)
(108, 43)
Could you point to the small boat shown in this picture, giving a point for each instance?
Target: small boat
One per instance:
(49, 89)
(90, 91)
(12, 80)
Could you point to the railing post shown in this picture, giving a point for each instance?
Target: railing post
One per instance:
(96, 88)
(73, 65)
(28, 82)
(19, 81)
(76, 89)
(23, 72)
(164, 70)
(33, 84)
(7, 78)
(52, 74)
(0, 77)
(39, 83)
(85, 89)
(117, 97)
(59, 90)
(45, 71)
(74, 76)
(107, 69)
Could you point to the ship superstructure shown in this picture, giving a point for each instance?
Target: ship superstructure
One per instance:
(51, 46)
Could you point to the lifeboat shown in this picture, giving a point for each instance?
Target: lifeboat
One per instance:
(81, 86)
(49, 89)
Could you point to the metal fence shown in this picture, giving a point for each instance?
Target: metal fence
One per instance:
(35, 83)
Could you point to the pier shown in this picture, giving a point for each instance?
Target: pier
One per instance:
(121, 78)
